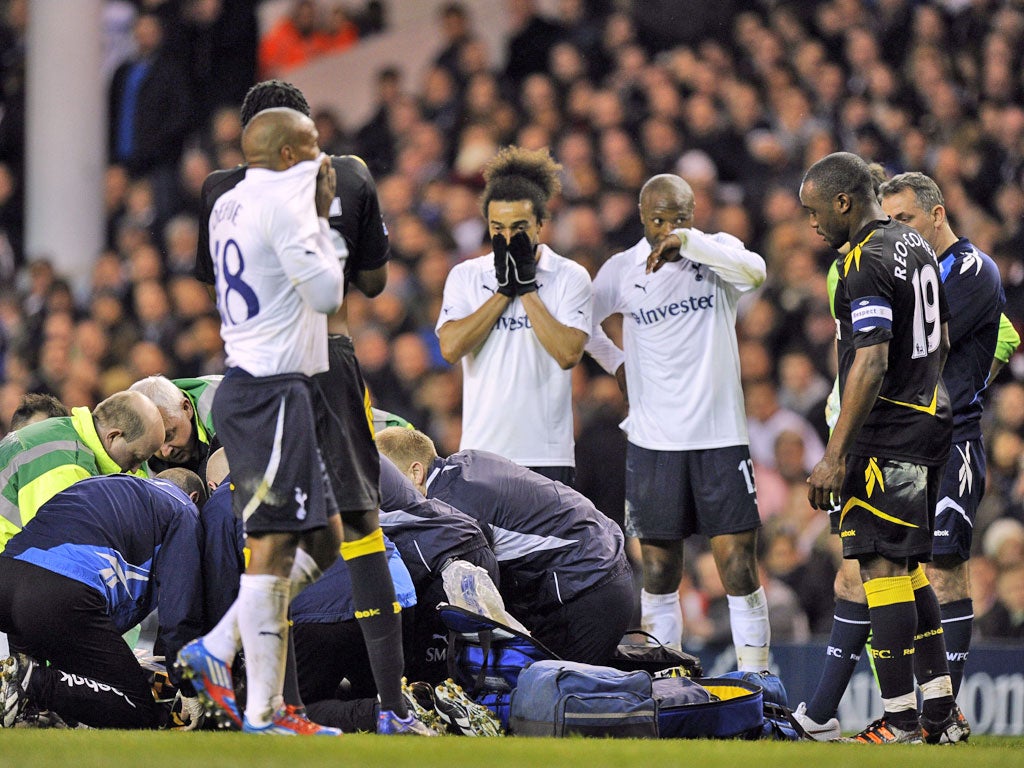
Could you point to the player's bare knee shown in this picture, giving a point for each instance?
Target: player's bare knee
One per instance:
(663, 568)
(949, 577)
(848, 584)
(323, 544)
(737, 563)
(739, 574)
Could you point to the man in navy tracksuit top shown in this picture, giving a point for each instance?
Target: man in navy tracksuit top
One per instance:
(430, 534)
(95, 560)
(563, 570)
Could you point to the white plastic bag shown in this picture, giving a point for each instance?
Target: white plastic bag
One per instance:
(469, 586)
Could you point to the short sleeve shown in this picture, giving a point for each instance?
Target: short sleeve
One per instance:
(575, 305)
(606, 291)
(869, 288)
(455, 301)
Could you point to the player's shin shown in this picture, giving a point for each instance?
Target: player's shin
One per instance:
(379, 616)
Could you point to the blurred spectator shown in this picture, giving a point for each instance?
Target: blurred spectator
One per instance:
(803, 390)
(375, 141)
(531, 38)
(766, 420)
(118, 19)
(456, 27)
(340, 32)
(1005, 621)
(193, 169)
(13, 28)
(1003, 543)
(332, 136)
(983, 587)
(373, 18)
(713, 626)
(150, 113)
(810, 576)
(181, 238)
(293, 41)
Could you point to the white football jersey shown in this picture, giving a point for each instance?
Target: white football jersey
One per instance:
(516, 400)
(679, 338)
(266, 238)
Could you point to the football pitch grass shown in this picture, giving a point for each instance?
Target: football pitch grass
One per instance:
(26, 748)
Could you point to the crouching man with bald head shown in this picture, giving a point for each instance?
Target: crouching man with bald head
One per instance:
(562, 565)
(42, 459)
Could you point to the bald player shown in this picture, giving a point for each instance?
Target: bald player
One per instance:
(277, 279)
(688, 467)
(361, 244)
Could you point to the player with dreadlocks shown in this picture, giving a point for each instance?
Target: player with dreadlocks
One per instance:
(518, 319)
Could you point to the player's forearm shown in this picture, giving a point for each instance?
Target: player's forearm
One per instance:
(563, 343)
(458, 338)
(734, 264)
(603, 350)
(324, 291)
(324, 294)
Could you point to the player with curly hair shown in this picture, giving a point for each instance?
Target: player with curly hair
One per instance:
(518, 319)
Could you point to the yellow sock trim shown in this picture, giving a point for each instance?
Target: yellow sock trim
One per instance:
(889, 591)
(368, 407)
(917, 578)
(367, 545)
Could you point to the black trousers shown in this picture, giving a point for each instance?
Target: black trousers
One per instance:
(589, 627)
(93, 676)
(327, 654)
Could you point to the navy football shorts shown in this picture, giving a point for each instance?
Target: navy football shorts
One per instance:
(345, 431)
(268, 430)
(963, 485)
(673, 494)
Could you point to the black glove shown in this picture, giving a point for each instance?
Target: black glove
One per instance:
(524, 264)
(501, 261)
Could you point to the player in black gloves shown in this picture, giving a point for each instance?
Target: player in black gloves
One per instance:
(501, 265)
(524, 264)
(516, 355)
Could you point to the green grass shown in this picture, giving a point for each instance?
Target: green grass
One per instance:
(25, 748)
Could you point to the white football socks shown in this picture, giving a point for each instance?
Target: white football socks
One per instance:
(304, 572)
(263, 624)
(751, 633)
(223, 641)
(662, 616)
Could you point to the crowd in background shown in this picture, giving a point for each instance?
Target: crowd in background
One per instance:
(739, 108)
